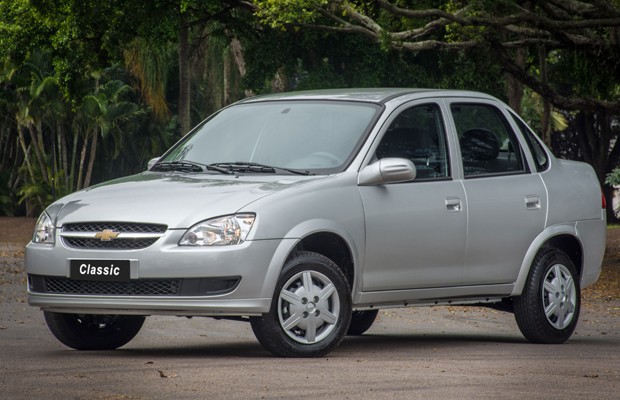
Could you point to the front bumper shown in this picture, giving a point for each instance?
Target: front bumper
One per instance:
(251, 263)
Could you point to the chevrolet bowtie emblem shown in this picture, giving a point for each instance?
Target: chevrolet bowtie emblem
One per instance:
(107, 235)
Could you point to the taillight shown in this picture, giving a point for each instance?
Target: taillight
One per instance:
(604, 202)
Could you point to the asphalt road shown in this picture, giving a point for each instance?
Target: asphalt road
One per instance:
(415, 353)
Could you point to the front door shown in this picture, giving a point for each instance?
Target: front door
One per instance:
(415, 231)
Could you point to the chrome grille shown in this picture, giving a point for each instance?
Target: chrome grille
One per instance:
(123, 227)
(128, 235)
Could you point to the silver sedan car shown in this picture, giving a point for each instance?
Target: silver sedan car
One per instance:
(304, 213)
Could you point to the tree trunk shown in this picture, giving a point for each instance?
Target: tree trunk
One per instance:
(546, 117)
(37, 151)
(63, 156)
(237, 53)
(72, 182)
(91, 160)
(81, 166)
(514, 87)
(184, 76)
(226, 76)
(26, 151)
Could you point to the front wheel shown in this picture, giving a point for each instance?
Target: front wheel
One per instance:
(310, 310)
(548, 309)
(93, 332)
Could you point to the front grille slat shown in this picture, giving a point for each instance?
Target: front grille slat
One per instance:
(136, 288)
(118, 244)
(83, 232)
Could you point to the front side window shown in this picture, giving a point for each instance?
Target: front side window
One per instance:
(418, 134)
(319, 137)
(488, 145)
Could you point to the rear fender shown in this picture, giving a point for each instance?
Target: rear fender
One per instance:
(541, 239)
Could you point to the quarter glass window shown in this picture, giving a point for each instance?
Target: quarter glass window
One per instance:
(538, 152)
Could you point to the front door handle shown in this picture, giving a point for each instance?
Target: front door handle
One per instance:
(453, 204)
(532, 202)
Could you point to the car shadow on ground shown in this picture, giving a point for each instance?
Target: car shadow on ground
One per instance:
(352, 345)
(249, 349)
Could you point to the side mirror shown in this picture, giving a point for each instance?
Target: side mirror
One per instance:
(152, 162)
(387, 170)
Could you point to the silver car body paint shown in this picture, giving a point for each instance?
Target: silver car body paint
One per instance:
(452, 241)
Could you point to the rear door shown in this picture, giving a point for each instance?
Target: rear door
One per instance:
(506, 202)
(415, 231)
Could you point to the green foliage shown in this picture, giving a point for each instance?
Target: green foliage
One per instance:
(613, 178)
(314, 60)
(279, 13)
(532, 110)
(66, 68)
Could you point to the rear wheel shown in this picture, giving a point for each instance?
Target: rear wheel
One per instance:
(548, 309)
(93, 332)
(310, 310)
(361, 321)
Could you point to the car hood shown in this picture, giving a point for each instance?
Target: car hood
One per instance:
(178, 200)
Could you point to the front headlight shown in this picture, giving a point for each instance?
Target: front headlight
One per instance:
(221, 231)
(44, 230)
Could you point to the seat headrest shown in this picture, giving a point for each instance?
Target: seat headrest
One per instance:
(479, 144)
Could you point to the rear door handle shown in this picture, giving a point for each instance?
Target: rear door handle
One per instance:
(532, 202)
(453, 204)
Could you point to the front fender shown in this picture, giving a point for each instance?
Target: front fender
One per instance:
(295, 236)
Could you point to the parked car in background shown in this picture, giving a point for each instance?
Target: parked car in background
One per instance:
(305, 213)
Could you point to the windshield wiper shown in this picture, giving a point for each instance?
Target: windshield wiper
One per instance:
(243, 166)
(183, 166)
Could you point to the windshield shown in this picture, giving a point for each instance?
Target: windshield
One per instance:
(318, 137)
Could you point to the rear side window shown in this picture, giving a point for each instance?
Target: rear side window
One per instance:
(538, 152)
(488, 144)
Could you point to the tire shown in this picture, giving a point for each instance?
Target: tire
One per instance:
(93, 332)
(310, 311)
(361, 321)
(548, 309)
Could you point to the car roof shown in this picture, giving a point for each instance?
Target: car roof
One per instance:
(374, 95)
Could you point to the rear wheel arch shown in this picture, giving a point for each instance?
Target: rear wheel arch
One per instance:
(571, 246)
(563, 238)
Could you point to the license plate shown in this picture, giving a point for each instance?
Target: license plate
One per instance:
(100, 270)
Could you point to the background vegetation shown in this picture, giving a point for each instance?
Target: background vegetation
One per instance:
(91, 90)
